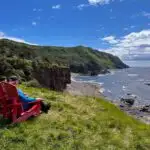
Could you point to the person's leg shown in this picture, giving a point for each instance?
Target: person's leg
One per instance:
(45, 107)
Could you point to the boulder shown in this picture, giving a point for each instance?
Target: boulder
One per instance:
(54, 78)
(147, 84)
(128, 101)
(145, 108)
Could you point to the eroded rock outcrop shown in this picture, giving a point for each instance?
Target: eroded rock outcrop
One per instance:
(54, 78)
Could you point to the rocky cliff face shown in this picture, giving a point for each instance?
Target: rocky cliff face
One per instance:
(53, 78)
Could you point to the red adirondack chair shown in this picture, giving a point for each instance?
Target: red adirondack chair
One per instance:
(12, 108)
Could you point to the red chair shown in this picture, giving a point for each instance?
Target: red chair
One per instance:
(12, 108)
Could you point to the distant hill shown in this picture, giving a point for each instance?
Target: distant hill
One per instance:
(20, 57)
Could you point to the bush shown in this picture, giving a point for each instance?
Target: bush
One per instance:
(33, 83)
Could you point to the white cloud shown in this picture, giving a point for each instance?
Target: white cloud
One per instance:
(34, 23)
(110, 39)
(81, 6)
(4, 36)
(37, 10)
(58, 6)
(34, 9)
(135, 44)
(132, 27)
(96, 3)
(126, 29)
(146, 14)
(100, 2)
(40, 9)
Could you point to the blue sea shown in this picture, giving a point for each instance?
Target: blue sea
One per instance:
(121, 83)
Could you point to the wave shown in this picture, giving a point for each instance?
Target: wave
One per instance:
(102, 90)
(133, 75)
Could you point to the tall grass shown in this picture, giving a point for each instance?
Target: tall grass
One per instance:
(76, 123)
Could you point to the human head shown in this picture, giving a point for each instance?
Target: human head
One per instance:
(3, 79)
(13, 80)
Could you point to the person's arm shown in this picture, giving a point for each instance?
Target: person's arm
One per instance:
(24, 98)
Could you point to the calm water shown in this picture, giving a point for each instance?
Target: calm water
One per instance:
(119, 83)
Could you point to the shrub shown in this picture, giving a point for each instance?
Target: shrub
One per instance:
(33, 83)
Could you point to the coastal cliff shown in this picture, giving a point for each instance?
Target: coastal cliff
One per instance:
(21, 59)
(54, 78)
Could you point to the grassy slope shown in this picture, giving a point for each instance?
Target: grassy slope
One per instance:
(76, 123)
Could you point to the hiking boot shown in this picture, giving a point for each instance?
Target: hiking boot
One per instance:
(46, 108)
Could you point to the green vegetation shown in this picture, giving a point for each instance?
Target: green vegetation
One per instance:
(21, 59)
(76, 123)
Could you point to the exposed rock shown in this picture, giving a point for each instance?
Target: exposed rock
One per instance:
(105, 71)
(96, 72)
(54, 78)
(129, 94)
(147, 84)
(128, 101)
(145, 108)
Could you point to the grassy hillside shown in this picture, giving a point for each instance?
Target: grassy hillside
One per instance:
(76, 123)
(20, 58)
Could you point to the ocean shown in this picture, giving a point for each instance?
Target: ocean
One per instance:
(122, 83)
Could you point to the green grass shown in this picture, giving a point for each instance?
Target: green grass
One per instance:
(76, 123)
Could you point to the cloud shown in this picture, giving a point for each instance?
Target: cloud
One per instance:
(4, 36)
(110, 39)
(130, 27)
(126, 29)
(131, 46)
(37, 10)
(58, 6)
(81, 6)
(146, 14)
(34, 23)
(96, 3)
(142, 13)
(99, 2)
(34, 9)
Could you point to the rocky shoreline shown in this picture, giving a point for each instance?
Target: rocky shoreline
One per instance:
(76, 88)
(141, 113)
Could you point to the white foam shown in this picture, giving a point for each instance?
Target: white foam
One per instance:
(124, 88)
(112, 72)
(101, 75)
(132, 75)
(109, 91)
(102, 90)
(141, 80)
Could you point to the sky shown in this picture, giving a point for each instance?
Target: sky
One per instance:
(120, 27)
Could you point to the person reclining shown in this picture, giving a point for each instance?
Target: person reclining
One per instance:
(26, 99)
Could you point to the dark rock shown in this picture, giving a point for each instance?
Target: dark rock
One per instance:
(129, 94)
(145, 108)
(122, 106)
(54, 78)
(128, 101)
(105, 71)
(94, 73)
(147, 84)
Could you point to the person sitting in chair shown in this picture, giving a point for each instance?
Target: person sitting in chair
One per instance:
(26, 99)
